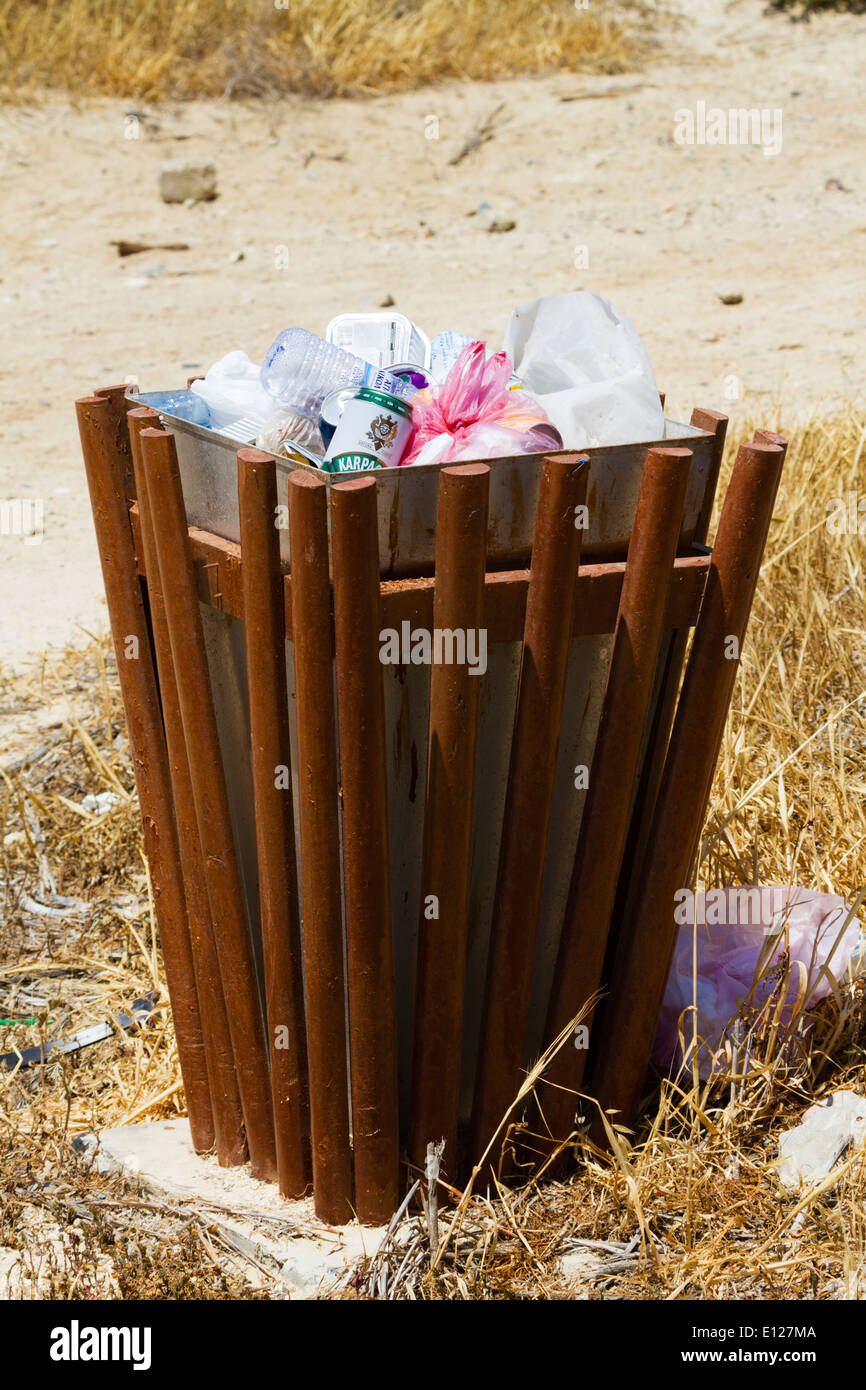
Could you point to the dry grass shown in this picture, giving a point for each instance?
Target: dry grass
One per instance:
(152, 49)
(690, 1206)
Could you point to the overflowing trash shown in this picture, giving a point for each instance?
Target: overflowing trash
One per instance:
(377, 392)
(741, 948)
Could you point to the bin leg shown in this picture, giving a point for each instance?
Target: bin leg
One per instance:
(189, 658)
(105, 445)
(458, 607)
(643, 961)
(605, 819)
(318, 811)
(660, 729)
(225, 1099)
(546, 641)
(361, 706)
(265, 622)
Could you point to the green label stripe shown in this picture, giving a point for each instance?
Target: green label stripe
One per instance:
(351, 463)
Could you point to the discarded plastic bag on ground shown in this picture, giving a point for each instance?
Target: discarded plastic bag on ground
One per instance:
(743, 932)
(588, 369)
(474, 415)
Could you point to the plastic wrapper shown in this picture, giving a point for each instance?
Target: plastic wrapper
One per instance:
(474, 415)
(285, 428)
(743, 933)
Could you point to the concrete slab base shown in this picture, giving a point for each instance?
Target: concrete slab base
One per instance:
(285, 1238)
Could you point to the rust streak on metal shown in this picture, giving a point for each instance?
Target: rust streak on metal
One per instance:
(265, 623)
(458, 606)
(643, 961)
(360, 702)
(99, 423)
(605, 819)
(546, 639)
(189, 658)
(318, 811)
(225, 1098)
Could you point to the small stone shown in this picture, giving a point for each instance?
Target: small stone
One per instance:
(388, 302)
(489, 222)
(182, 180)
(237, 256)
(811, 1150)
(729, 296)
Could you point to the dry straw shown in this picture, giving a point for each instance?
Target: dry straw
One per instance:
(152, 49)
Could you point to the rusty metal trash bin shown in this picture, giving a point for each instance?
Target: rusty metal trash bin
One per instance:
(421, 902)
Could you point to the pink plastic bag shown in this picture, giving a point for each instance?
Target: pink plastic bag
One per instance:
(738, 930)
(474, 415)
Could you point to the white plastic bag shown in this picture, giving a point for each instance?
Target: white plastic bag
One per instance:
(588, 368)
(233, 391)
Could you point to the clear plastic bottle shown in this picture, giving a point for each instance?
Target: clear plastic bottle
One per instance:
(300, 369)
(181, 403)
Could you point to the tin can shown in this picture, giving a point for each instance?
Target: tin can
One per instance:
(373, 431)
(332, 409)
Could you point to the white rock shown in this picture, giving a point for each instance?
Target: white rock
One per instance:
(100, 803)
(811, 1150)
(182, 180)
(579, 1265)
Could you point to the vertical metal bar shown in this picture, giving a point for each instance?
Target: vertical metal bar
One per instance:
(118, 408)
(546, 640)
(659, 731)
(458, 608)
(318, 812)
(717, 425)
(225, 1098)
(98, 425)
(643, 962)
(189, 658)
(360, 702)
(605, 819)
(265, 624)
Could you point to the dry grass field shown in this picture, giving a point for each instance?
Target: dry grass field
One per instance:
(243, 48)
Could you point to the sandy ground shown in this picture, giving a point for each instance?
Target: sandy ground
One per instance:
(330, 206)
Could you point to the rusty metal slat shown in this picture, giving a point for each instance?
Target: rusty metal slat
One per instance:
(458, 606)
(360, 703)
(104, 441)
(546, 639)
(712, 422)
(605, 819)
(642, 964)
(225, 1098)
(265, 624)
(189, 658)
(318, 812)
(659, 731)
